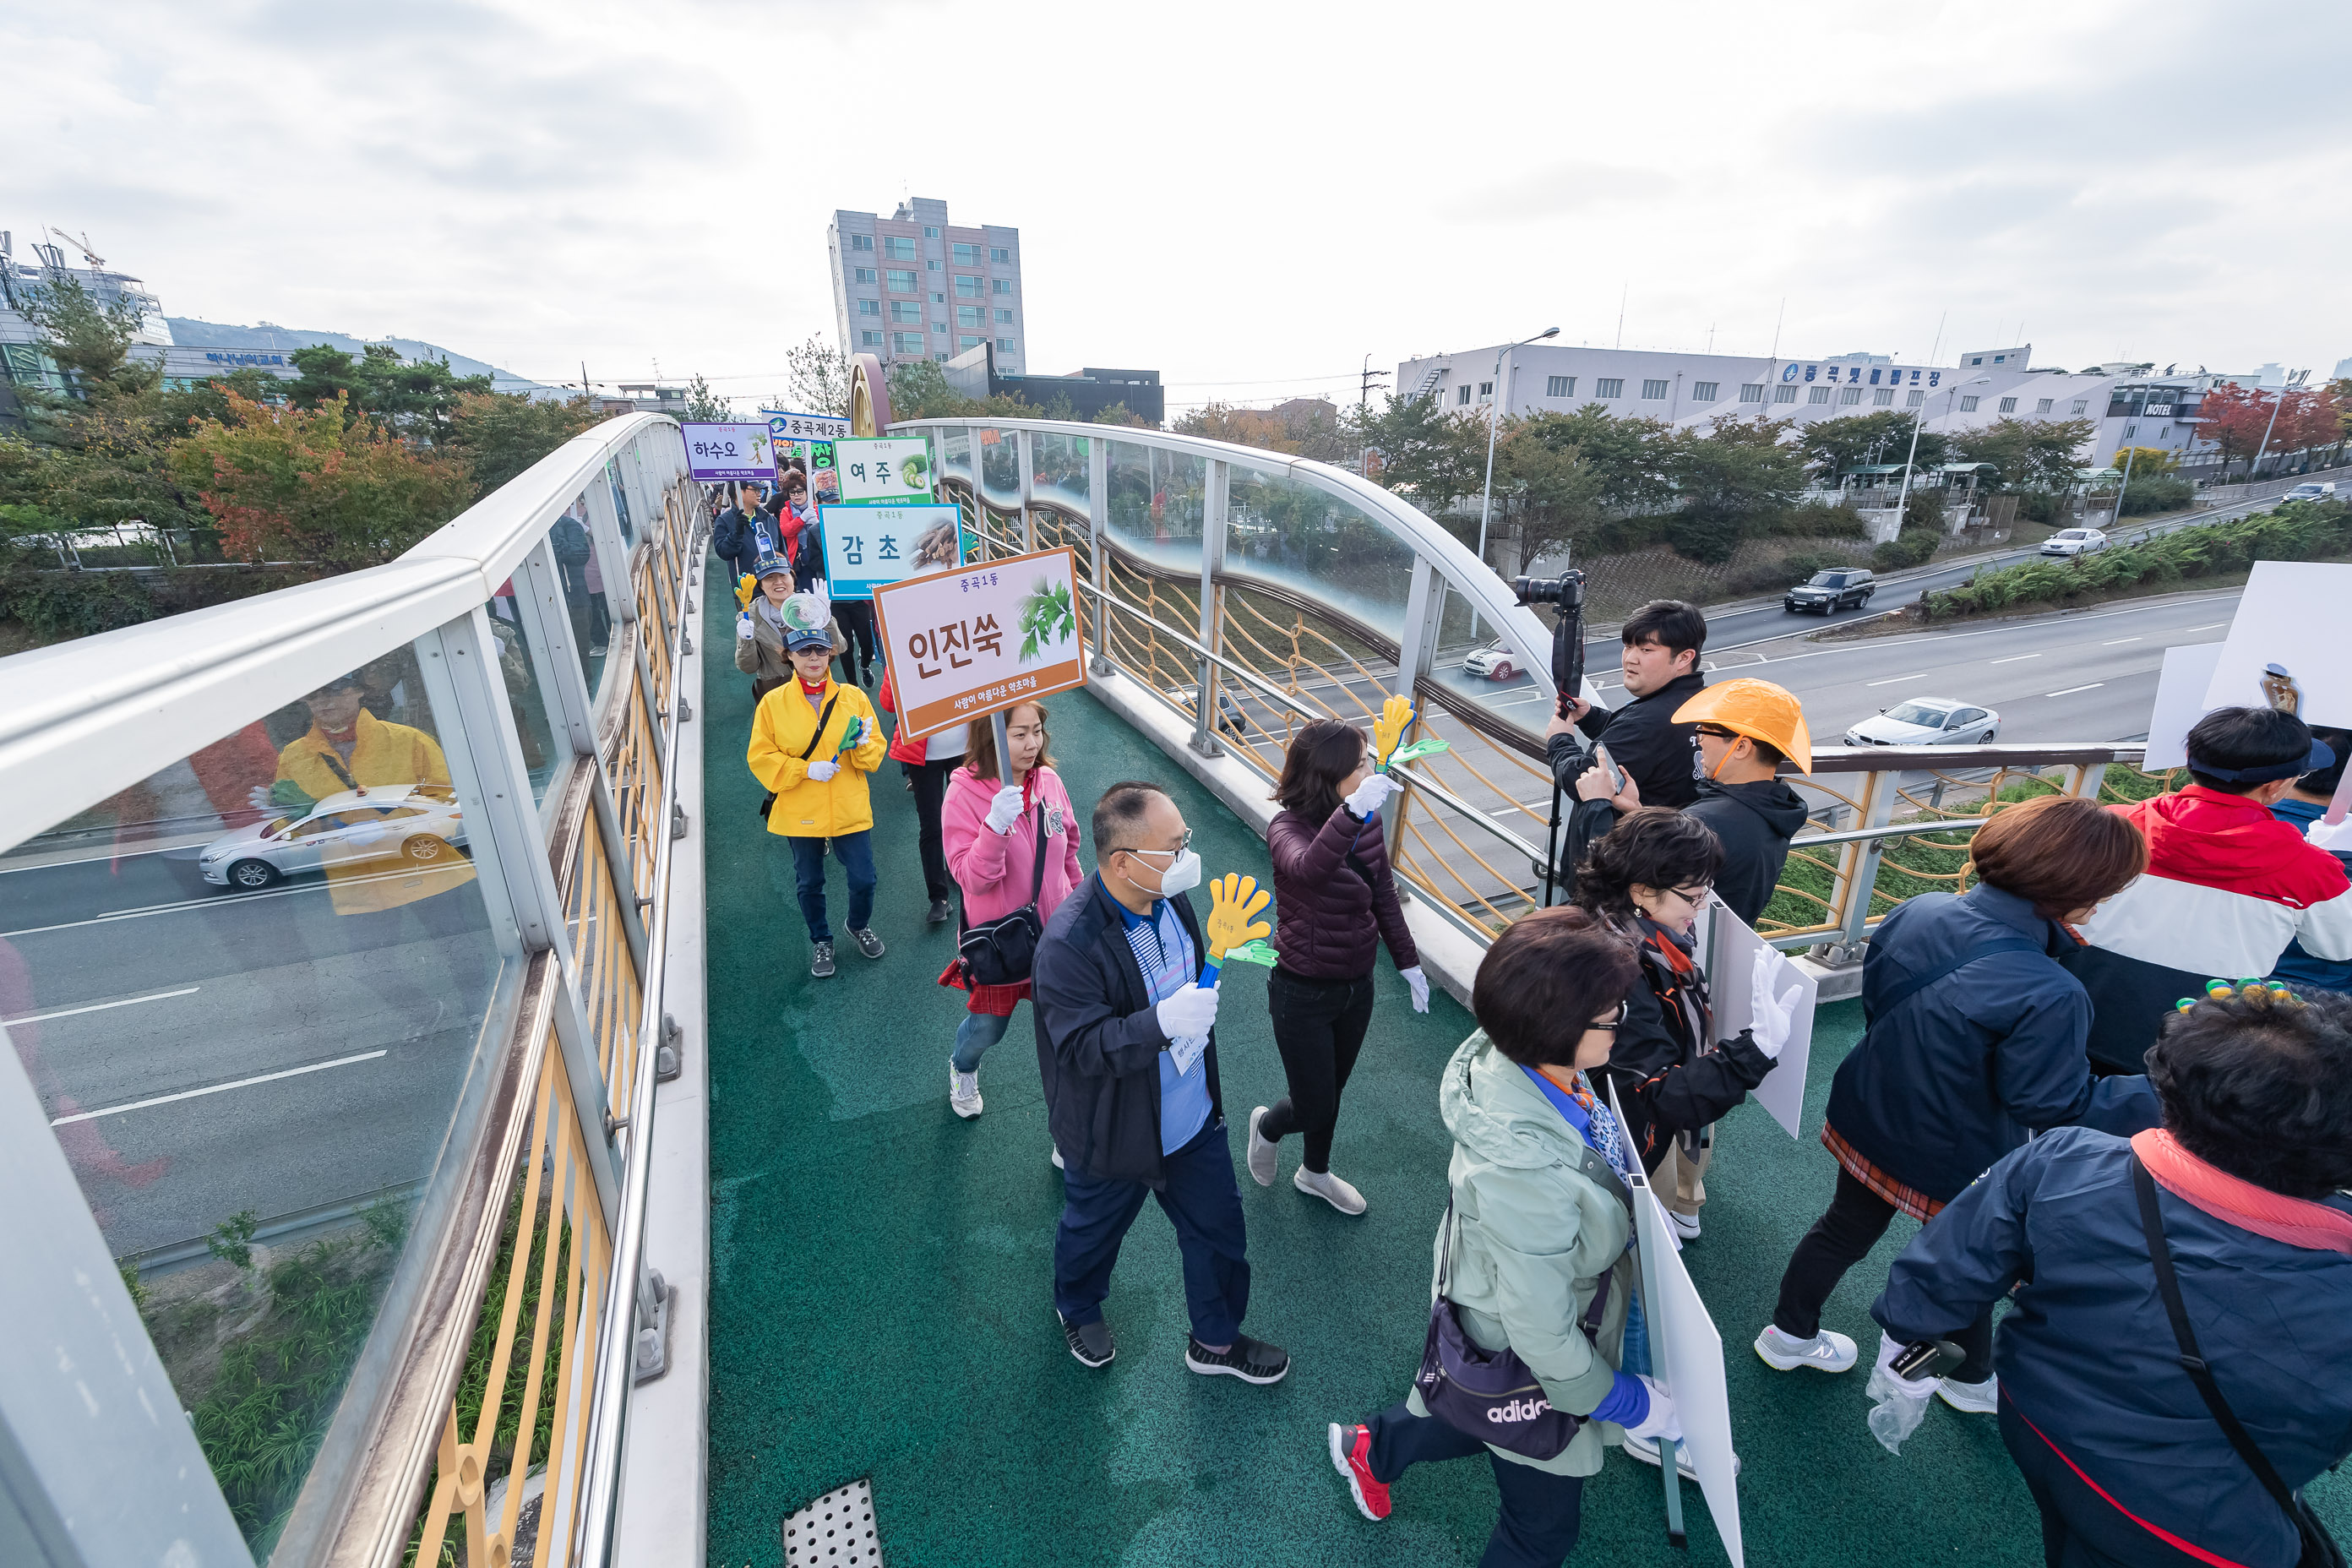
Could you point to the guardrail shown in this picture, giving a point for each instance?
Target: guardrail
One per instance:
(1250, 611)
(466, 996)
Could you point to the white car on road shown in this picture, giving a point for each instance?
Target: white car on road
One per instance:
(1492, 661)
(1927, 721)
(2318, 489)
(2075, 541)
(388, 824)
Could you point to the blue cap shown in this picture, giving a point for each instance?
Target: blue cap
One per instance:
(771, 566)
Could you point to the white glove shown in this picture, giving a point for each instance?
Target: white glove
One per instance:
(1773, 1019)
(258, 798)
(1899, 1403)
(1004, 809)
(1661, 1423)
(1419, 981)
(823, 771)
(1368, 794)
(1190, 1012)
(743, 627)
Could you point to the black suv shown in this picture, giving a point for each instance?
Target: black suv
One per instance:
(1846, 588)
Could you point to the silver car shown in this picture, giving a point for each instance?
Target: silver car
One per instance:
(1927, 721)
(414, 823)
(2075, 541)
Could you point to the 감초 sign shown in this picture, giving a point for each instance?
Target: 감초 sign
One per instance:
(867, 547)
(967, 643)
(730, 451)
(884, 468)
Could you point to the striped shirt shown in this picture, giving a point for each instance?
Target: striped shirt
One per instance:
(1169, 963)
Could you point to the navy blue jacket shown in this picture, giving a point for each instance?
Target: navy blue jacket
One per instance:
(1099, 1039)
(735, 538)
(1958, 1075)
(2087, 1353)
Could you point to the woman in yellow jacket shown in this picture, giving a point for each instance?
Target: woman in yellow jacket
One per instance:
(813, 744)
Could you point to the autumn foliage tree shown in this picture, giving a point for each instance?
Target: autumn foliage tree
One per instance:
(314, 485)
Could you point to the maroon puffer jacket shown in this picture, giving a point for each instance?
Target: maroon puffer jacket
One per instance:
(1330, 917)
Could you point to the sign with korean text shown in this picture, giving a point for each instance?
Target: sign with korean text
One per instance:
(868, 547)
(785, 426)
(967, 643)
(730, 451)
(884, 468)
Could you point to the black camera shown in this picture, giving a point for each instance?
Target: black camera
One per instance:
(1566, 589)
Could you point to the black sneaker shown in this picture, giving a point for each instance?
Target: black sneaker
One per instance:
(821, 962)
(1090, 1342)
(1252, 1360)
(868, 943)
(940, 913)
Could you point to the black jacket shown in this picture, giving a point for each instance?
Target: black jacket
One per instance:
(1660, 754)
(1099, 1043)
(1755, 821)
(735, 538)
(1670, 1078)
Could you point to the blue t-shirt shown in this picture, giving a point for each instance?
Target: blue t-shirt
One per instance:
(1165, 953)
(2295, 966)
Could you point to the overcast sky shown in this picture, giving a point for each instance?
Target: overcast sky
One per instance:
(1249, 198)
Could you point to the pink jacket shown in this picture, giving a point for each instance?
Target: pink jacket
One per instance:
(994, 869)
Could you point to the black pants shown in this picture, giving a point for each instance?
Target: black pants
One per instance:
(856, 618)
(1840, 1239)
(1541, 1512)
(931, 781)
(2080, 1529)
(1318, 1027)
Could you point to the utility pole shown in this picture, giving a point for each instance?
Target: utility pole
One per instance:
(1364, 402)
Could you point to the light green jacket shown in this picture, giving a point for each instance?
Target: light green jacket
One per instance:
(1533, 1235)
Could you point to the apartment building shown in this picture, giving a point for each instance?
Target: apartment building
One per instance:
(913, 286)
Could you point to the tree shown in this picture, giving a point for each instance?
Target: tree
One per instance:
(1435, 456)
(498, 435)
(1628, 457)
(920, 390)
(2234, 418)
(1837, 446)
(705, 407)
(2144, 462)
(1732, 479)
(2032, 454)
(317, 484)
(91, 343)
(409, 397)
(820, 379)
(1119, 414)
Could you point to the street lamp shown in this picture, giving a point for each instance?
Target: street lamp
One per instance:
(1494, 418)
(1903, 496)
(2292, 384)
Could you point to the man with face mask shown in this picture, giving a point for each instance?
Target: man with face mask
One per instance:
(1746, 729)
(1126, 1044)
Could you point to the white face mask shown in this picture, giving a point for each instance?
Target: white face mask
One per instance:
(1182, 877)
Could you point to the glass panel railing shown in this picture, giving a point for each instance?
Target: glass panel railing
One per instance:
(528, 678)
(1156, 498)
(620, 501)
(1296, 536)
(584, 602)
(250, 990)
(1058, 470)
(1489, 670)
(954, 447)
(1000, 468)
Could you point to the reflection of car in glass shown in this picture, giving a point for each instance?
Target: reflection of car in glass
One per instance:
(1835, 590)
(1492, 661)
(2321, 490)
(410, 823)
(1229, 712)
(1926, 722)
(2073, 541)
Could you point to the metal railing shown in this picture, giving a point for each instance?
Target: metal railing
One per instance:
(535, 643)
(1245, 657)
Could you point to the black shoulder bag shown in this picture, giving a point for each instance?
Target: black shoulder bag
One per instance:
(2319, 1548)
(823, 718)
(1003, 952)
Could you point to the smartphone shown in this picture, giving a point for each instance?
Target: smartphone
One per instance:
(1609, 765)
(1927, 1357)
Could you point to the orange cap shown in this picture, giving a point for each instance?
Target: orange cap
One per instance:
(1758, 710)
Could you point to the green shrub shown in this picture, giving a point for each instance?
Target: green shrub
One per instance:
(2037, 506)
(2156, 492)
(60, 605)
(1703, 534)
(1812, 520)
(1912, 547)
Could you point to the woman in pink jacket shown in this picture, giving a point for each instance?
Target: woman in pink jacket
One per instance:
(994, 837)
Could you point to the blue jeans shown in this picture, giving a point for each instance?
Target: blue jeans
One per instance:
(1205, 1207)
(856, 853)
(974, 1036)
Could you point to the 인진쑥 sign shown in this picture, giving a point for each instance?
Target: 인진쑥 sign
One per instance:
(884, 468)
(966, 643)
(868, 547)
(729, 451)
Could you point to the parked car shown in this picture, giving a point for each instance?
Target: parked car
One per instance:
(1927, 721)
(2313, 489)
(2075, 541)
(418, 824)
(1848, 587)
(1492, 661)
(1229, 712)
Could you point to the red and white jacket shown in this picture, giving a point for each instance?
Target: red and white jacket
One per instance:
(2228, 886)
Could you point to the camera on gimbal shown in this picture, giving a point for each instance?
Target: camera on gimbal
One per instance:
(1566, 594)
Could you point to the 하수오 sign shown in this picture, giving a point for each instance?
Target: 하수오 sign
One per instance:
(867, 547)
(966, 643)
(729, 451)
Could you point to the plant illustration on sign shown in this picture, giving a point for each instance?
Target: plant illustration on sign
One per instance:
(1046, 618)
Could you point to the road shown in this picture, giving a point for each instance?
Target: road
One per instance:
(201, 1053)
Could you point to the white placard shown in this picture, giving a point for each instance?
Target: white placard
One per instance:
(729, 451)
(1732, 945)
(867, 547)
(2179, 702)
(786, 425)
(2291, 615)
(982, 638)
(884, 468)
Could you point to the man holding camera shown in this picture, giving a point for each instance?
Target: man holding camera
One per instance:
(1662, 644)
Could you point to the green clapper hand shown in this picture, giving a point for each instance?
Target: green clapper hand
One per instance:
(1234, 905)
(1256, 953)
(852, 737)
(1418, 750)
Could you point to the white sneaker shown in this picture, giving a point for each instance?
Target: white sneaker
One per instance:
(1058, 1160)
(1646, 1450)
(1827, 1350)
(1264, 1157)
(1970, 1398)
(1686, 1225)
(963, 1092)
(1331, 1189)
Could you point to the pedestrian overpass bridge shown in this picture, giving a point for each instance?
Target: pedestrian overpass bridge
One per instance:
(478, 1168)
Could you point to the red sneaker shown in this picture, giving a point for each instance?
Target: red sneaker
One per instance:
(1351, 1456)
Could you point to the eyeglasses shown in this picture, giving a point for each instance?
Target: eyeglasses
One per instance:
(1715, 731)
(1694, 898)
(1612, 1025)
(1181, 848)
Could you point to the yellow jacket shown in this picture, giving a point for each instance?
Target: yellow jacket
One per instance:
(781, 730)
(386, 755)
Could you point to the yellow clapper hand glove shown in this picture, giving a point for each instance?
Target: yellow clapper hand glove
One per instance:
(743, 591)
(1396, 716)
(1234, 905)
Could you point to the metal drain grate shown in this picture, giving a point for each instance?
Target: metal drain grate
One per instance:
(836, 1530)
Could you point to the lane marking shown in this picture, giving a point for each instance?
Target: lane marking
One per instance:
(2012, 658)
(101, 1006)
(2215, 626)
(2071, 689)
(1893, 680)
(2048, 618)
(218, 1088)
(2117, 642)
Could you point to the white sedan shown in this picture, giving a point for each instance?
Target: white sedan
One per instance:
(418, 824)
(1492, 661)
(2075, 541)
(1927, 721)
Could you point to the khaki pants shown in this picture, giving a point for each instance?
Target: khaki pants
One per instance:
(1679, 1180)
